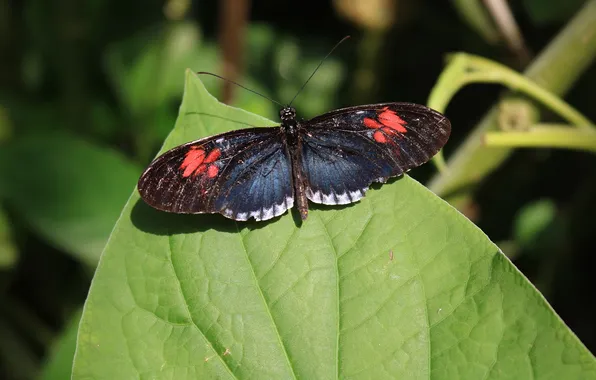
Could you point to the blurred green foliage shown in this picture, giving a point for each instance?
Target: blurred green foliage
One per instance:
(67, 190)
(532, 221)
(548, 12)
(89, 90)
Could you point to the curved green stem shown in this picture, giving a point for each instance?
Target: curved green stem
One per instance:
(556, 69)
(544, 136)
(467, 69)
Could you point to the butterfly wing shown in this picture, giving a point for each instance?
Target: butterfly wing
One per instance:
(344, 151)
(239, 174)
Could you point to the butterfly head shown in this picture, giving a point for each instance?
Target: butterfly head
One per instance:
(287, 114)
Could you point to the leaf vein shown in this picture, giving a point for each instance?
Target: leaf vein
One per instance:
(186, 306)
(337, 277)
(281, 252)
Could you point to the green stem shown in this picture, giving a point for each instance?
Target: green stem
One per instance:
(555, 70)
(469, 69)
(544, 137)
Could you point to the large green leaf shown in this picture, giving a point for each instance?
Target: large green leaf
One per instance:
(399, 285)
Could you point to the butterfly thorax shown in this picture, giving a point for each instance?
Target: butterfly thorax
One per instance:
(288, 122)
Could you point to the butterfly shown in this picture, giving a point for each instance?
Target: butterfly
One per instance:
(261, 173)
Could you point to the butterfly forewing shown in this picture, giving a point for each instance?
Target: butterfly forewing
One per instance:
(239, 174)
(344, 151)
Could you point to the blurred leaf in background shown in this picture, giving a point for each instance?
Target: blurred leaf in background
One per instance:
(551, 11)
(8, 248)
(533, 221)
(68, 190)
(58, 363)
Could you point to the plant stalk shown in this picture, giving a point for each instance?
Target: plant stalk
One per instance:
(556, 69)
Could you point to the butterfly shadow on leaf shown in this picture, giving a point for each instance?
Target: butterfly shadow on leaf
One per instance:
(150, 220)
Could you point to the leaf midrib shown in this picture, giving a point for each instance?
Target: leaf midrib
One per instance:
(265, 303)
(337, 280)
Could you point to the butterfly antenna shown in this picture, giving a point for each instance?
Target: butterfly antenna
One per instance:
(239, 85)
(317, 68)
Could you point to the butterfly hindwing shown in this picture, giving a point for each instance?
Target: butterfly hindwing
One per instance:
(344, 151)
(239, 174)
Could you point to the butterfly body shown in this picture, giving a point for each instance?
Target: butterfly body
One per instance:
(291, 129)
(260, 173)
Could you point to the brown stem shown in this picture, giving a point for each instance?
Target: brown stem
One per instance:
(505, 22)
(233, 20)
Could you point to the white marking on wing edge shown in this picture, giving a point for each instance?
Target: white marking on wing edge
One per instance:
(343, 199)
(358, 194)
(334, 198)
(273, 211)
(267, 213)
(329, 199)
(279, 209)
(242, 216)
(314, 196)
(228, 213)
(289, 202)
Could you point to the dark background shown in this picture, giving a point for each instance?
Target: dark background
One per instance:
(80, 80)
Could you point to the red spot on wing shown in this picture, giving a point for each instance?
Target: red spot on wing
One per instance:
(198, 162)
(380, 137)
(213, 155)
(212, 171)
(390, 119)
(194, 158)
(371, 123)
(189, 170)
(201, 169)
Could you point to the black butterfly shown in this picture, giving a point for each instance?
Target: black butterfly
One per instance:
(261, 172)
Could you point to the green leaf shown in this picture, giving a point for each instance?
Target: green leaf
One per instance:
(70, 191)
(399, 285)
(146, 70)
